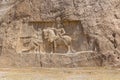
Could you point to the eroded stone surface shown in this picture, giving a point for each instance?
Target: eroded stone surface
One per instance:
(93, 25)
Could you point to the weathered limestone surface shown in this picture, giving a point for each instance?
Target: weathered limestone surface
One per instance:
(93, 25)
(52, 60)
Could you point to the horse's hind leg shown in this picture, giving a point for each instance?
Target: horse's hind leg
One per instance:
(72, 50)
(69, 50)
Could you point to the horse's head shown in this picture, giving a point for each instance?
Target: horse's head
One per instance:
(49, 34)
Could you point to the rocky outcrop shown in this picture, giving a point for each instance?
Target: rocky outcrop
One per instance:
(92, 24)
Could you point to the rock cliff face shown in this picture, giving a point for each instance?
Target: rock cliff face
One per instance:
(93, 26)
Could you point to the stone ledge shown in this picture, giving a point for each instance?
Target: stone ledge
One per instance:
(79, 59)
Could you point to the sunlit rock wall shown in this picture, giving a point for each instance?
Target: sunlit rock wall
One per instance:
(97, 31)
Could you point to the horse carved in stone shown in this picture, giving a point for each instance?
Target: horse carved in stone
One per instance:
(50, 36)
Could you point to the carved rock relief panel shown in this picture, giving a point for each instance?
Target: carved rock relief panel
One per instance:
(33, 37)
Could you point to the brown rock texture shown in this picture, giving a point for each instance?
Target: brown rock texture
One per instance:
(93, 26)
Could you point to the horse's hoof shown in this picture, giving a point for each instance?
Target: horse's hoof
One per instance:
(51, 53)
(69, 53)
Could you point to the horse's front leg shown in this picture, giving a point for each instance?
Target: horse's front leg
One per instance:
(51, 48)
(55, 46)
